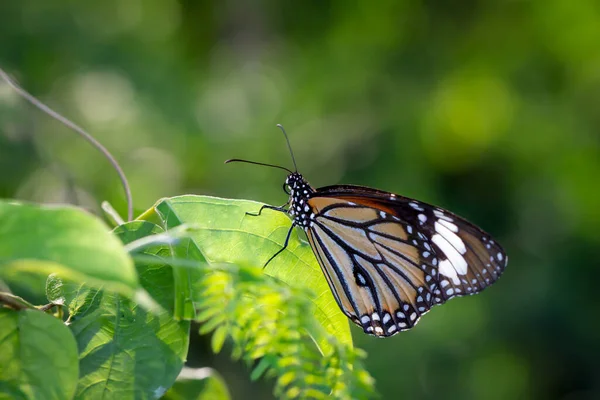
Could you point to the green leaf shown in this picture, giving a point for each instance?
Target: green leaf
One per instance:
(270, 321)
(38, 356)
(184, 279)
(260, 369)
(225, 234)
(55, 289)
(64, 240)
(125, 351)
(218, 338)
(208, 313)
(210, 325)
(198, 384)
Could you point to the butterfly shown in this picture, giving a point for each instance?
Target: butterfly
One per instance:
(388, 259)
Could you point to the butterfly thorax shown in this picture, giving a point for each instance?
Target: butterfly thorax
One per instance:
(300, 192)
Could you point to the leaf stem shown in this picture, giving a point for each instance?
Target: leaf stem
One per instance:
(15, 302)
(97, 145)
(47, 307)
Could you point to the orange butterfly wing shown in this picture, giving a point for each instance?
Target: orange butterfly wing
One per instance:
(389, 259)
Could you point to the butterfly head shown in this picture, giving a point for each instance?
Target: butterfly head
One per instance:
(300, 191)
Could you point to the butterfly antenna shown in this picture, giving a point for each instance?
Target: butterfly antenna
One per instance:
(258, 163)
(289, 146)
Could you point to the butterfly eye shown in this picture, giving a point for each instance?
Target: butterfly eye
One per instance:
(286, 188)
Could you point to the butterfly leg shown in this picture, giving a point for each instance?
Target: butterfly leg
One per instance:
(287, 239)
(280, 209)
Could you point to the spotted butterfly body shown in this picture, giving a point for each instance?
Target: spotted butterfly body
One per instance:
(389, 259)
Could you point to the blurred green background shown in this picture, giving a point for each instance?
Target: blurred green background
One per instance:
(488, 108)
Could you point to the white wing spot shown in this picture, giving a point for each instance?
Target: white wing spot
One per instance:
(499, 256)
(386, 318)
(451, 237)
(422, 218)
(450, 292)
(457, 262)
(448, 270)
(416, 206)
(440, 214)
(361, 278)
(448, 225)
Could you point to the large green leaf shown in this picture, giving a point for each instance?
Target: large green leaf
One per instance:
(224, 233)
(125, 351)
(64, 240)
(38, 356)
